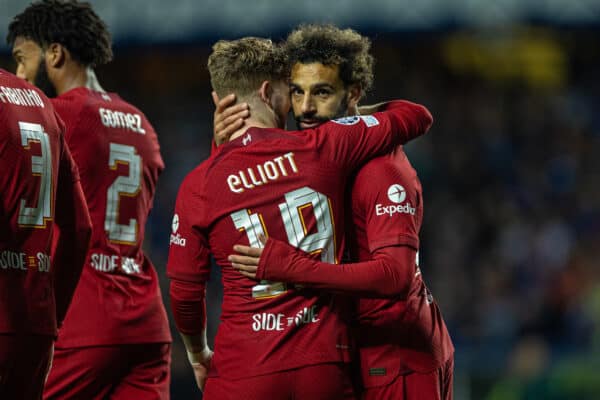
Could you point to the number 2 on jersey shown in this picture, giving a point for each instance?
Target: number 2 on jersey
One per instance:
(122, 186)
(321, 241)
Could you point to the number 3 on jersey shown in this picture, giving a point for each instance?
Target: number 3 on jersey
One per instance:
(322, 241)
(122, 186)
(40, 166)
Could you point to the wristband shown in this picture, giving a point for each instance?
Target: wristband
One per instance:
(194, 358)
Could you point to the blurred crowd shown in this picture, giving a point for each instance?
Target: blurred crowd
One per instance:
(511, 177)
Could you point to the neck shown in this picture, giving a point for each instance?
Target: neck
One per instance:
(77, 76)
(250, 123)
(260, 117)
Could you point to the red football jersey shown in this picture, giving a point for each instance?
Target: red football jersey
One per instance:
(290, 186)
(395, 335)
(118, 299)
(40, 191)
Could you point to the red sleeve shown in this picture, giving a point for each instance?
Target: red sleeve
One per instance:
(188, 266)
(189, 253)
(353, 140)
(387, 199)
(188, 306)
(74, 230)
(389, 273)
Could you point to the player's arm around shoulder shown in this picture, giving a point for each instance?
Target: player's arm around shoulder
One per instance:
(412, 119)
(355, 139)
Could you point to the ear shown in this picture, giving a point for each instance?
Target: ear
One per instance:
(265, 91)
(56, 55)
(354, 95)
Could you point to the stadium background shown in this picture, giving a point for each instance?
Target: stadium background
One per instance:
(510, 170)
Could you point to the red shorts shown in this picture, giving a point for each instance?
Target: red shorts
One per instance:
(436, 385)
(24, 363)
(129, 371)
(315, 382)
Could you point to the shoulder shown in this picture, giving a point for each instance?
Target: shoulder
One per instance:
(194, 180)
(383, 172)
(117, 100)
(16, 92)
(8, 79)
(70, 105)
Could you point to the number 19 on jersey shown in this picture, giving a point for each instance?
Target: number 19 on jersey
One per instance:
(322, 241)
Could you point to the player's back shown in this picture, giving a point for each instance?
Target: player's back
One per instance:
(118, 155)
(288, 185)
(31, 145)
(269, 182)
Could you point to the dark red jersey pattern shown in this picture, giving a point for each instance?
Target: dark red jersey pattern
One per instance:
(403, 334)
(290, 186)
(40, 190)
(118, 299)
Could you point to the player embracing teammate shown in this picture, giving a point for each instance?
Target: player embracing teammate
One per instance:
(287, 202)
(405, 350)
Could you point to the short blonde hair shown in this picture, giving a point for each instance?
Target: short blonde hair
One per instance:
(240, 66)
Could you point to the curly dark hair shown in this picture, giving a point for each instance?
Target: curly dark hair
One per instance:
(73, 24)
(329, 45)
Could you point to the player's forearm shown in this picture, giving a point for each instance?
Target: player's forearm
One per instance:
(388, 274)
(194, 344)
(409, 120)
(188, 306)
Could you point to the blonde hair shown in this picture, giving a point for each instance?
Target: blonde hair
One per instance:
(240, 66)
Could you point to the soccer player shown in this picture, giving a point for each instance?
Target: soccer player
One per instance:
(115, 341)
(405, 349)
(274, 341)
(41, 203)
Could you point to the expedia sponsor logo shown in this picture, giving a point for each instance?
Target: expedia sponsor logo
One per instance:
(394, 209)
(396, 193)
(175, 223)
(177, 240)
